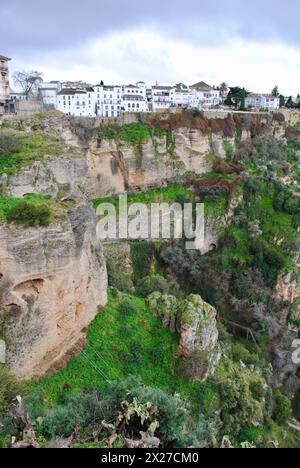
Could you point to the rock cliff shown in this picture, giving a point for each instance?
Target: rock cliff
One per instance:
(195, 322)
(98, 167)
(53, 282)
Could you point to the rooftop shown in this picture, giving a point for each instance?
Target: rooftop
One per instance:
(202, 86)
(6, 59)
(162, 87)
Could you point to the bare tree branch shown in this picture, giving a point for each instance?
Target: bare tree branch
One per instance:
(28, 81)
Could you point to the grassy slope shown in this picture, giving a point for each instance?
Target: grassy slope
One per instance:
(56, 207)
(136, 345)
(34, 145)
(158, 195)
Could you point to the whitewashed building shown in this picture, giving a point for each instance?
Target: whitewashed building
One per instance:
(134, 98)
(163, 98)
(79, 102)
(263, 101)
(4, 84)
(48, 92)
(182, 96)
(204, 96)
(108, 100)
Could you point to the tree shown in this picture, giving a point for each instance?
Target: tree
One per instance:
(290, 103)
(223, 86)
(275, 91)
(237, 97)
(281, 100)
(28, 81)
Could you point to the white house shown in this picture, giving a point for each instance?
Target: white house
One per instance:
(4, 83)
(48, 92)
(204, 96)
(182, 96)
(163, 98)
(263, 101)
(108, 100)
(134, 98)
(79, 102)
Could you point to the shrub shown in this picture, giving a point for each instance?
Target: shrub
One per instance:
(9, 143)
(243, 395)
(87, 411)
(158, 283)
(126, 309)
(283, 411)
(10, 388)
(117, 279)
(285, 201)
(29, 215)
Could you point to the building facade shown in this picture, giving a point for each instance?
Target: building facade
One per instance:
(48, 92)
(4, 84)
(108, 100)
(80, 103)
(267, 102)
(134, 98)
(163, 98)
(204, 96)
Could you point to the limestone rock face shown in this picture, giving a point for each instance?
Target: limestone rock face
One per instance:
(198, 326)
(195, 322)
(65, 175)
(53, 282)
(115, 170)
(199, 346)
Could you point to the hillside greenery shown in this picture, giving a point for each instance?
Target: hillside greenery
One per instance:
(128, 375)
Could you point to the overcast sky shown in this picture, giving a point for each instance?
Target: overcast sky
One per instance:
(255, 44)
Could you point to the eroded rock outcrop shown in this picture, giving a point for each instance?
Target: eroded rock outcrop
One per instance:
(195, 322)
(53, 282)
(97, 167)
(199, 336)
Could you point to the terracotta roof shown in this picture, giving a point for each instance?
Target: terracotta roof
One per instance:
(202, 85)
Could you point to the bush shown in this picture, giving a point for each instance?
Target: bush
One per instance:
(243, 393)
(156, 283)
(283, 411)
(87, 411)
(117, 279)
(285, 201)
(126, 309)
(9, 143)
(10, 388)
(29, 215)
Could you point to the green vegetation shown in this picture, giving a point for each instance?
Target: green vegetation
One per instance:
(29, 215)
(19, 149)
(131, 134)
(10, 388)
(128, 378)
(9, 143)
(171, 194)
(133, 344)
(33, 210)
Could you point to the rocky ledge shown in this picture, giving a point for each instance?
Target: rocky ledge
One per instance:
(53, 282)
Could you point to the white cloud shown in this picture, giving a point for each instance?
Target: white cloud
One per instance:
(151, 56)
